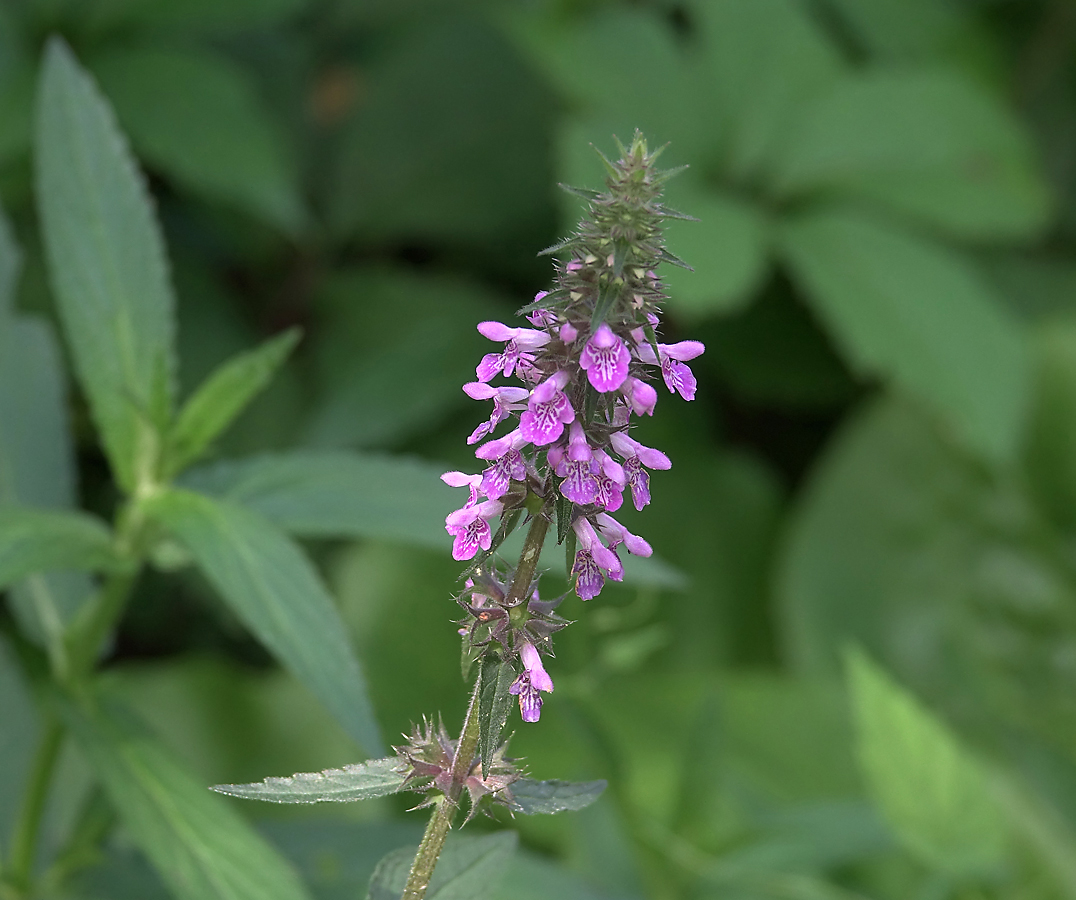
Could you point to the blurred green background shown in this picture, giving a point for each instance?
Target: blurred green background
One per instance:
(882, 452)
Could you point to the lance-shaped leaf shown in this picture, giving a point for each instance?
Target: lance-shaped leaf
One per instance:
(107, 266)
(362, 781)
(919, 314)
(265, 578)
(494, 701)
(200, 846)
(197, 118)
(338, 494)
(222, 396)
(936, 795)
(470, 868)
(534, 797)
(37, 460)
(40, 540)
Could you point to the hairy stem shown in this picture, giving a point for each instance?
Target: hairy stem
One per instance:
(24, 840)
(433, 841)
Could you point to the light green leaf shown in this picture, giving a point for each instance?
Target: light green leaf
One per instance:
(200, 846)
(39, 540)
(765, 58)
(470, 868)
(107, 265)
(920, 315)
(360, 495)
(222, 396)
(494, 701)
(362, 781)
(533, 797)
(197, 118)
(265, 578)
(727, 248)
(928, 143)
(934, 793)
(37, 466)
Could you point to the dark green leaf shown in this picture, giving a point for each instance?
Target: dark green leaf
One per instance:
(766, 58)
(470, 868)
(224, 395)
(277, 594)
(919, 314)
(197, 118)
(728, 248)
(192, 15)
(339, 494)
(39, 540)
(935, 794)
(362, 781)
(107, 265)
(199, 845)
(534, 797)
(17, 740)
(494, 701)
(931, 144)
(10, 266)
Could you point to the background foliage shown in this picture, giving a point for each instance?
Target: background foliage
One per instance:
(853, 673)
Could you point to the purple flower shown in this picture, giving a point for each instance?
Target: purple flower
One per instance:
(505, 400)
(469, 525)
(635, 457)
(605, 359)
(642, 397)
(617, 534)
(579, 484)
(514, 356)
(507, 466)
(533, 679)
(678, 377)
(592, 560)
(548, 411)
(611, 480)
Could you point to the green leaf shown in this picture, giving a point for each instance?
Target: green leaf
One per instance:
(533, 797)
(728, 249)
(10, 265)
(362, 340)
(920, 315)
(931, 144)
(107, 266)
(494, 701)
(193, 15)
(37, 466)
(222, 396)
(362, 781)
(1050, 453)
(197, 118)
(470, 868)
(765, 59)
(18, 738)
(357, 495)
(265, 578)
(39, 540)
(935, 795)
(200, 846)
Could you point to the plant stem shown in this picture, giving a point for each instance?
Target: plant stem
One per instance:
(433, 841)
(24, 841)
